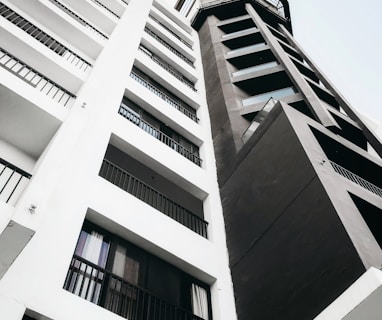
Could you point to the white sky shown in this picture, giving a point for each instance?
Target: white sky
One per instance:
(344, 39)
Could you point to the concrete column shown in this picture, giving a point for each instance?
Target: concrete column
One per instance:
(322, 114)
(11, 309)
(374, 140)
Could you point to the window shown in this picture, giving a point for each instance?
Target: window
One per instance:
(245, 49)
(276, 94)
(131, 282)
(255, 68)
(159, 130)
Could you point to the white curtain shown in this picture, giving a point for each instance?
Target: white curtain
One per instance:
(121, 296)
(88, 282)
(199, 301)
(125, 267)
(92, 248)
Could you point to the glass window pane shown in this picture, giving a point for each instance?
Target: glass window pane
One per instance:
(253, 46)
(125, 266)
(255, 68)
(92, 247)
(267, 95)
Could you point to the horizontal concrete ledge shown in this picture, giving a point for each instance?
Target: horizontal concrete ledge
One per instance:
(362, 300)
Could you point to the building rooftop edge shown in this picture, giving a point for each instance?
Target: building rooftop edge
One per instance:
(208, 8)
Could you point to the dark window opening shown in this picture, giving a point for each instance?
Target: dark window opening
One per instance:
(159, 130)
(252, 59)
(306, 71)
(244, 41)
(131, 282)
(303, 108)
(278, 34)
(350, 164)
(291, 51)
(350, 132)
(372, 216)
(238, 25)
(163, 93)
(325, 96)
(260, 89)
(154, 189)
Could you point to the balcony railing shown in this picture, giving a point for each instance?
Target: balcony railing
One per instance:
(35, 79)
(99, 286)
(169, 30)
(356, 179)
(152, 197)
(160, 93)
(12, 182)
(274, 5)
(159, 135)
(168, 46)
(167, 67)
(79, 19)
(106, 8)
(43, 38)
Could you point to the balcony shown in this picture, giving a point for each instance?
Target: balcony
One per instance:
(164, 94)
(243, 38)
(356, 179)
(350, 161)
(13, 180)
(159, 61)
(274, 5)
(135, 116)
(142, 190)
(236, 24)
(168, 46)
(76, 17)
(35, 79)
(124, 278)
(169, 30)
(91, 282)
(101, 5)
(44, 38)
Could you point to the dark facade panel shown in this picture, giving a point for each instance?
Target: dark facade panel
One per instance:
(290, 256)
(221, 98)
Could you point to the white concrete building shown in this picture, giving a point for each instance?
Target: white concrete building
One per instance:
(109, 204)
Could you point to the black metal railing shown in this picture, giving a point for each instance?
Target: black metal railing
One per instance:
(356, 179)
(274, 5)
(93, 283)
(169, 30)
(35, 79)
(168, 46)
(177, 104)
(106, 8)
(43, 38)
(156, 133)
(12, 181)
(169, 68)
(79, 19)
(152, 197)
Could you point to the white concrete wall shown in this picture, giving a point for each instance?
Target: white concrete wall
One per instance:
(66, 188)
